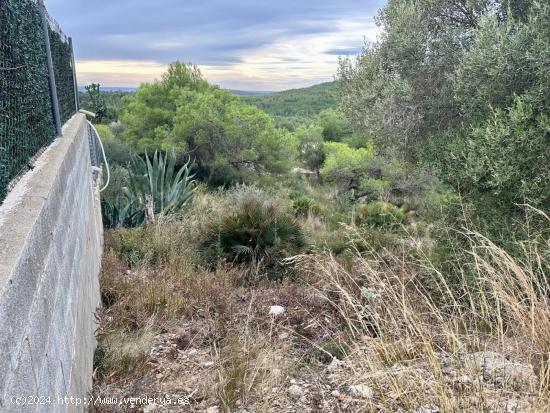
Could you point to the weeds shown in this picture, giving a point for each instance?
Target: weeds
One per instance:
(398, 326)
(506, 309)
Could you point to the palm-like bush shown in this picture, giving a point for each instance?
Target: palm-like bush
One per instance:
(155, 184)
(254, 231)
(382, 214)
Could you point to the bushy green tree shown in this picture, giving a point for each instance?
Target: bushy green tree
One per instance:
(95, 103)
(226, 137)
(507, 59)
(505, 159)
(346, 166)
(149, 113)
(116, 150)
(402, 89)
(440, 89)
(311, 151)
(335, 125)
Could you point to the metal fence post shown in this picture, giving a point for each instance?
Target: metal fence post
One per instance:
(76, 97)
(53, 87)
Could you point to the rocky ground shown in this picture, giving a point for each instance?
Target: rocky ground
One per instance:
(275, 359)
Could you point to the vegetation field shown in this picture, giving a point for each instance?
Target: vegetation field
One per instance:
(376, 244)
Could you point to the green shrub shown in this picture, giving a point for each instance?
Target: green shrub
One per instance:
(140, 245)
(337, 242)
(376, 188)
(115, 207)
(253, 230)
(131, 244)
(337, 209)
(346, 166)
(303, 206)
(504, 161)
(153, 180)
(382, 214)
(295, 194)
(117, 212)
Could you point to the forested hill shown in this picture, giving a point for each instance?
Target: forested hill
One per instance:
(304, 103)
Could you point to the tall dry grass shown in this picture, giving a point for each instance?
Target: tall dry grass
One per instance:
(423, 341)
(419, 337)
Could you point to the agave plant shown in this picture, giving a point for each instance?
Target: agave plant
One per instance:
(120, 212)
(156, 188)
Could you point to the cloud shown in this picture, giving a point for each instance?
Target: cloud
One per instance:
(238, 43)
(119, 73)
(350, 51)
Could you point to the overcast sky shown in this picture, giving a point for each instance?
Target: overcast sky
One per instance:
(239, 44)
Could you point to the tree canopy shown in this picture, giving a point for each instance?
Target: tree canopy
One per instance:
(225, 136)
(461, 87)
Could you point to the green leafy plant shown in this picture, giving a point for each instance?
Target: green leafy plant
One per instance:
(118, 212)
(132, 244)
(155, 185)
(96, 102)
(303, 206)
(346, 166)
(255, 231)
(311, 151)
(382, 214)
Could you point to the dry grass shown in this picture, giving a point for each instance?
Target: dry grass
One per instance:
(245, 363)
(416, 335)
(173, 325)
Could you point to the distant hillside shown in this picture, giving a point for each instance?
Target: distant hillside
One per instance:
(301, 103)
(249, 92)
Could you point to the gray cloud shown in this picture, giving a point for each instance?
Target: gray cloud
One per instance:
(209, 32)
(350, 51)
(214, 33)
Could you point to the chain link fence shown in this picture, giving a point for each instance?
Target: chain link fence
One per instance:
(38, 91)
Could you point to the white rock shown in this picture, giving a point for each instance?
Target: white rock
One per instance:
(361, 391)
(511, 406)
(496, 368)
(192, 352)
(335, 393)
(150, 408)
(208, 364)
(276, 310)
(464, 381)
(295, 391)
(334, 364)
(213, 409)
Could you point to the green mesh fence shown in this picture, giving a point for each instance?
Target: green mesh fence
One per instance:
(62, 65)
(26, 112)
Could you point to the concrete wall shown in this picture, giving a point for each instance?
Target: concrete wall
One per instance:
(50, 251)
